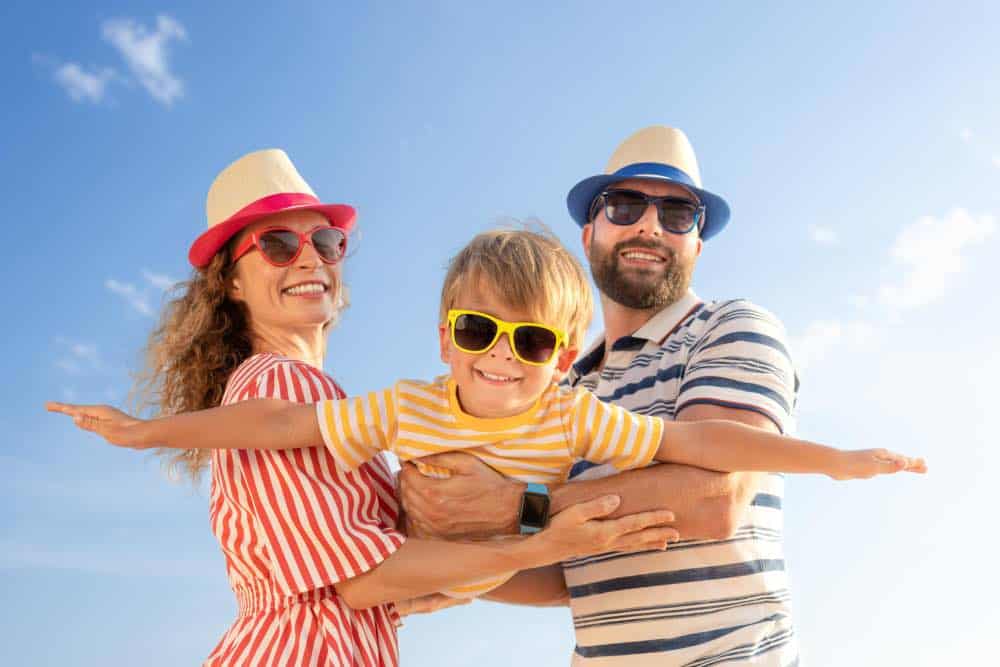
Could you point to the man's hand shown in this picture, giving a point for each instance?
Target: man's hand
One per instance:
(475, 502)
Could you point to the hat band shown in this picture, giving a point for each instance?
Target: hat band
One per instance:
(655, 169)
(275, 204)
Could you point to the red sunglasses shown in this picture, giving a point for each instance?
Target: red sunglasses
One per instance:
(281, 246)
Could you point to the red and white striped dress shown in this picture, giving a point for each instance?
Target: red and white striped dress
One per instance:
(291, 525)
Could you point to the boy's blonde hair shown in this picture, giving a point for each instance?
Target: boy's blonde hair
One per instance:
(528, 270)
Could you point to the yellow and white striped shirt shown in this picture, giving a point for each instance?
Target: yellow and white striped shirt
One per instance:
(414, 419)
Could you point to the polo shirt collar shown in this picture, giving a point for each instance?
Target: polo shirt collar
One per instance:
(656, 329)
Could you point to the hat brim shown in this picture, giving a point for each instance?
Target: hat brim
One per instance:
(582, 194)
(204, 248)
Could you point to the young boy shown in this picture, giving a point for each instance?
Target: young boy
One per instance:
(514, 308)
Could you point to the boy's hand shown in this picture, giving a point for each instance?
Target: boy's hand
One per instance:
(865, 463)
(113, 425)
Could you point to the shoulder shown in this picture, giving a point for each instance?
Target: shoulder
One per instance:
(742, 311)
(276, 376)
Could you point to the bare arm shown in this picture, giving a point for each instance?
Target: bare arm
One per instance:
(477, 501)
(253, 424)
(729, 446)
(421, 567)
(540, 587)
(708, 504)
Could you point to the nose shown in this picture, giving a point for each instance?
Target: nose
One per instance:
(308, 257)
(502, 348)
(649, 223)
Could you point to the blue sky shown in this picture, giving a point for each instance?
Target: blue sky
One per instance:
(859, 149)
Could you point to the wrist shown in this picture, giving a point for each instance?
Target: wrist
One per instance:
(149, 434)
(513, 494)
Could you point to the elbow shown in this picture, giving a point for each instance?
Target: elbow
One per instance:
(358, 595)
(727, 511)
(723, 525)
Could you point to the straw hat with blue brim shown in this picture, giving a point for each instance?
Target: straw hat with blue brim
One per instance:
(656, 153)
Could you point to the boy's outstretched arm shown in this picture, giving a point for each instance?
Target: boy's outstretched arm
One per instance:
(253, 424)
(730, 447)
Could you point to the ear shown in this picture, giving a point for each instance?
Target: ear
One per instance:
(586, 236)
(234, 288)
(566, 359)
(445, 341)
(700, 244)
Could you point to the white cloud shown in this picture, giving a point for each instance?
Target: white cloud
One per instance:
(159, 280)
(823, 336)
(822, 235)
(929, 253)
(133, 296)
(924, 258)
(81, 85)
(78, 357)
(966, 135)
(146, 54)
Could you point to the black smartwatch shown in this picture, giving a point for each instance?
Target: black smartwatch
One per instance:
(534, 512)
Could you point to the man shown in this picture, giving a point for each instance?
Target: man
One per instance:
(720, 595)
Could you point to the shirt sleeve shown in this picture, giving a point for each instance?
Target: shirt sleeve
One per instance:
(742, 361)
(320, 524)
(356, 429)
(601, 432)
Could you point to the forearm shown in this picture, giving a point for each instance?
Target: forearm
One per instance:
(728, 446)
(539, 587)
(255, 424)
(707, 504)
(420, 567)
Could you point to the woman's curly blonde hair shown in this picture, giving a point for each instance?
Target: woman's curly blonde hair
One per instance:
(201, 338)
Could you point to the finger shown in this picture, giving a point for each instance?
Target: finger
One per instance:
(917, 465)
(889, 461)
(596, 508)
(63, 408)
(646, 540)
(637, 522)
(462, 464)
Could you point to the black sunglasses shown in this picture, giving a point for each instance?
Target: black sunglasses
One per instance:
(676, 215)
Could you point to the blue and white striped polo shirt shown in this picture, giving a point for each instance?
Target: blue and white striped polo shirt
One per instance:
(700, 602)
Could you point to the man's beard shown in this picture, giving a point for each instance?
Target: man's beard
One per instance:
(638, 292)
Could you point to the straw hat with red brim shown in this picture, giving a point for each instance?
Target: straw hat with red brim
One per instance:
(256, 186)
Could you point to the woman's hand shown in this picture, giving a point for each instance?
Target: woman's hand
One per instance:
(580, 531)
(113, 425)
(865, 463)
(425, 604)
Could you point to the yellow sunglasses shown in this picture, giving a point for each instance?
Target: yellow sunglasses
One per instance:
(532, 343)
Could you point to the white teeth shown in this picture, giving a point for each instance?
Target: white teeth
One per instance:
(308, 288)
(634, 254)
(496, 378)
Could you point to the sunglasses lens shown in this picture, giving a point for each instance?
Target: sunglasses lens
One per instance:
(534, 343)
(474, 332)
(676, 215)
(279, 246)
(624, 208)
(330, 243)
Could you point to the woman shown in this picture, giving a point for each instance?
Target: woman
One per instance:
(312, 553)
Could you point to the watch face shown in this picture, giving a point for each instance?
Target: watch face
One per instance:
(535, 511)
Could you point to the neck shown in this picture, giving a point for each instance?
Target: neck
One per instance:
(621, 320)
(308, 345)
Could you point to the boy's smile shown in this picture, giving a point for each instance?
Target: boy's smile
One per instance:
(494, 383)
